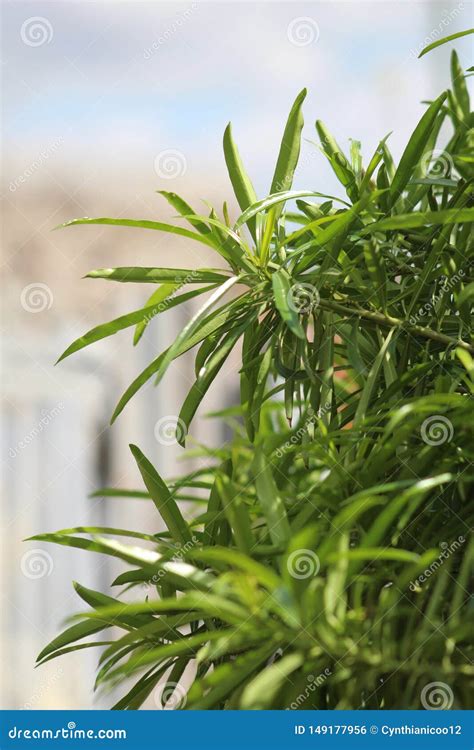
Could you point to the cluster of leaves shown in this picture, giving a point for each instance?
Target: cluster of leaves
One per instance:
(294, 579)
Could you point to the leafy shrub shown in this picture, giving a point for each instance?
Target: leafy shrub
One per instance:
(327, 564)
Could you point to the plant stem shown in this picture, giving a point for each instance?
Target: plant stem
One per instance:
(388, 320)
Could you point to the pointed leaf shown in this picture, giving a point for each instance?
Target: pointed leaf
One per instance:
(282, 294)
(415, 148)
(289, 149)
(143, 224)
(161, 496)
(243, 188)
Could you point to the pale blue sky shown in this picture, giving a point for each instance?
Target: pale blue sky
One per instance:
(120, 81)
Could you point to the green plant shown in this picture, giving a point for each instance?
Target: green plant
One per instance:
(308, 572)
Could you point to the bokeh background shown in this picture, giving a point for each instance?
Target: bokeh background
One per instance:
(104, 103)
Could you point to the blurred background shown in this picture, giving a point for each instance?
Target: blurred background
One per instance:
(103, 104)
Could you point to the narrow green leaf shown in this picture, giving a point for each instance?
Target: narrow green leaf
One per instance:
(466, 294)
(282, 197)
(139, 275)
(158, 297)
(133, 555)
(161, 496)
(376, 268)
(187, 645)
(445, 39)
(184, 209)
(421, 219)
(206, 375)
(243, 188)
(116, 492)
(374, 554)
(143, 224)
(289, 149)
(458, 82)
(261, 691)
(338, 161)
(415, 148)
(337, 229)
(282, 294)
(236, 512)
(70, 635)
(190, 328)
(143, 317)
(204, 604)
(227, 677)
(206, 328)
(141, 690)
(232, 558)
(272, 504)
(368, 389)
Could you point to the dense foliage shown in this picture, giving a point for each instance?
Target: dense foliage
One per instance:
(322, 559)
